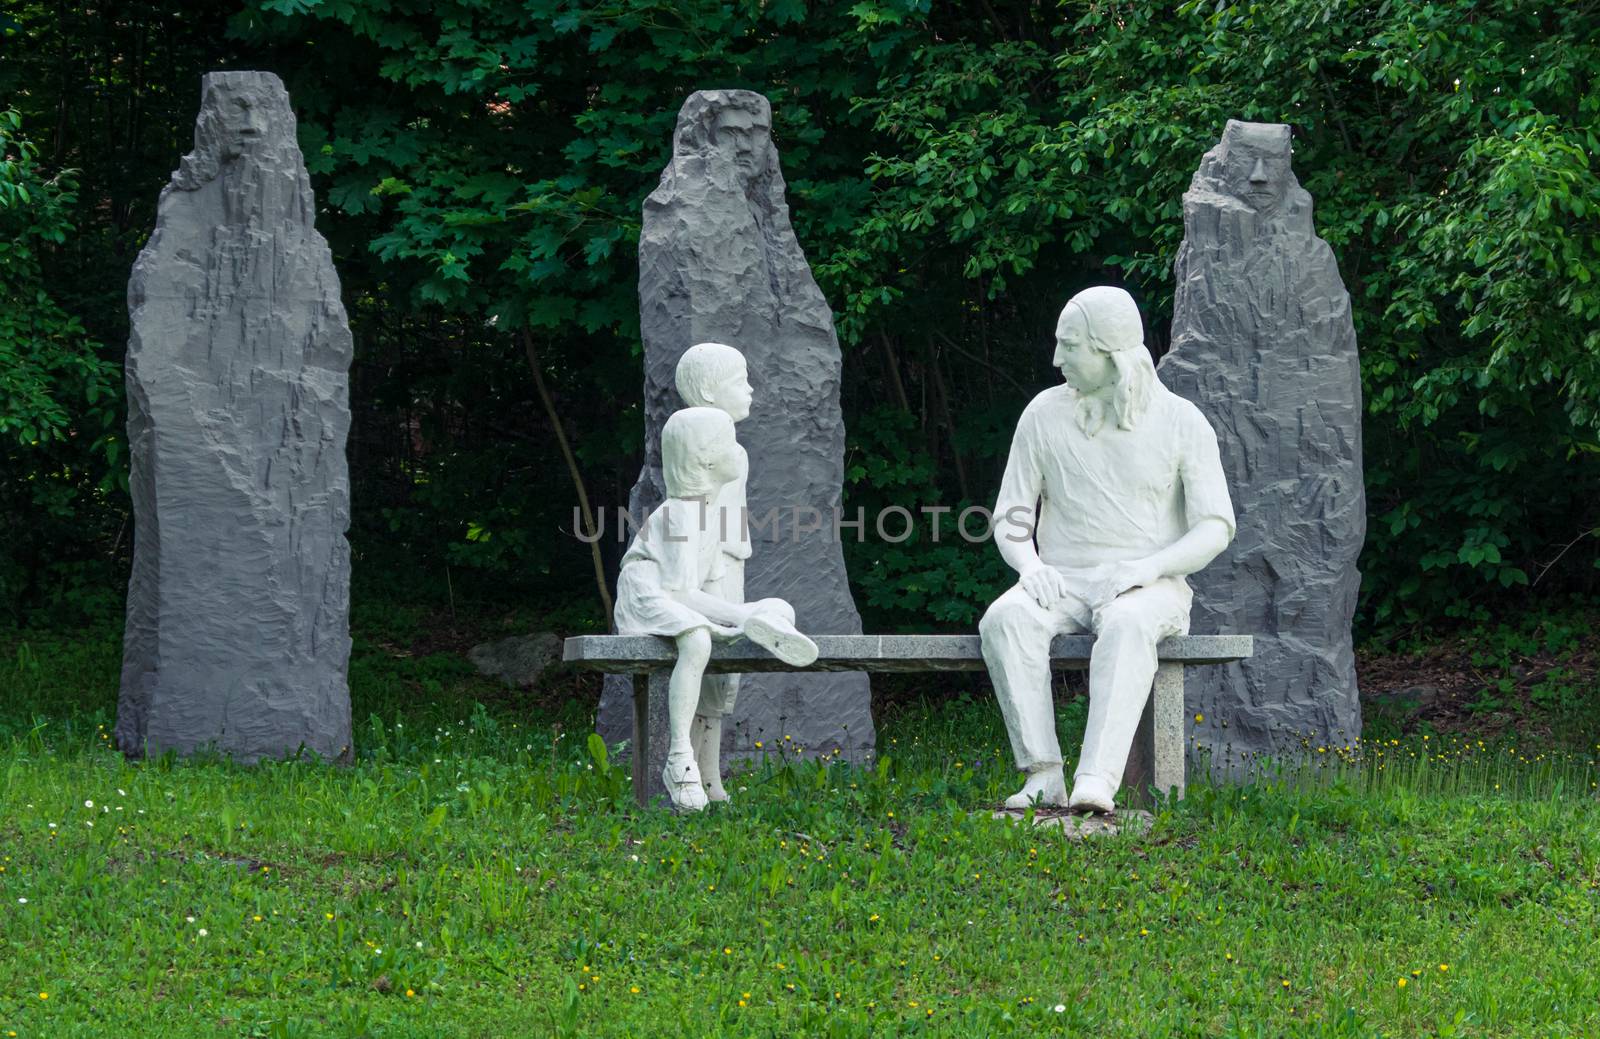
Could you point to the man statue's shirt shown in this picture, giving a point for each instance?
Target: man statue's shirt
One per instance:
(1117, 495)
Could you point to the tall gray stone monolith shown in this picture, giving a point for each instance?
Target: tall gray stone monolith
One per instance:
(1262, 341)
(237, 635)
(719, 262)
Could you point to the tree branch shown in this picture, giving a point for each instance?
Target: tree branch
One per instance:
(975, 359)
(592, 533)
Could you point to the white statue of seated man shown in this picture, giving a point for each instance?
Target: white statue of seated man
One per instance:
(1119, 482)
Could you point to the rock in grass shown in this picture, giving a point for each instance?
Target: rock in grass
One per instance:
(1077, 826)
(237, 636)
(518, 660)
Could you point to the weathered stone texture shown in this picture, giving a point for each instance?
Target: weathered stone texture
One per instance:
(1262, 341)
(237, 636)
(719, 262)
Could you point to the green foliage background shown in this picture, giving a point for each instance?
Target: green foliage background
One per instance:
(955, 172)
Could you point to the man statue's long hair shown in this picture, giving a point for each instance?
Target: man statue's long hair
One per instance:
(1111, 320)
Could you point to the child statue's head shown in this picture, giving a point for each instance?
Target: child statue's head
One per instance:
(699, 452)
(713, 375)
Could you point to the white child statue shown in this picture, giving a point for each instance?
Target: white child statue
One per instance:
(714, 375)
(677, 556)
(1119, 481)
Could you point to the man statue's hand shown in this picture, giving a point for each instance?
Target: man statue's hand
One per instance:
(1110, 580)
(1045, 583)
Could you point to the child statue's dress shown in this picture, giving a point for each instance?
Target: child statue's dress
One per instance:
(678, 549)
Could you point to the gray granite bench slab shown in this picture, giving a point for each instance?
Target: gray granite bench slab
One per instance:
(1156, 760)
(635, 654)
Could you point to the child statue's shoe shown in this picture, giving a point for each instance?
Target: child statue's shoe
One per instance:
(776, 633)
(682, 778)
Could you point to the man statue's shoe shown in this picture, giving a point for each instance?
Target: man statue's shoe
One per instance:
(1090, 793)
(778, 636)
(682, 779)
(1046, 788)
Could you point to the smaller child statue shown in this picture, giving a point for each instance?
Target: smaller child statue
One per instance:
(680, 553)
(715, 375)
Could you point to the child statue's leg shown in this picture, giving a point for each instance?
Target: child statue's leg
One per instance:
(707, 737)
(717, 694)
(682, 774)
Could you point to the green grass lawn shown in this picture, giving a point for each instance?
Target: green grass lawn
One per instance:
(479, 873)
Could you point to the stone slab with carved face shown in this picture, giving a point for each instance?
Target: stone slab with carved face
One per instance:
(237, 635)
(1263, 343)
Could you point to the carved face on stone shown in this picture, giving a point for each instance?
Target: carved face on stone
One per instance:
(1255, 164)
(732, 129)
(241, 114)
(244, 122)
(743, 138)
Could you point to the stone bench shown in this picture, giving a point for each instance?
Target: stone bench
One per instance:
(1156, 761)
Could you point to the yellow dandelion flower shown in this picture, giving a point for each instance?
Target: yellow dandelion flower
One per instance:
(44, 995)
(1443, 967)
(634, 989)
(727, 950)
(1400, 984)
(1199, 718)
(410, 992)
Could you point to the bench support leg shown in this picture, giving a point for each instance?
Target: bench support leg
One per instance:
(650, 734)
(1167, 709)
(1155, 762)
(641, 739)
